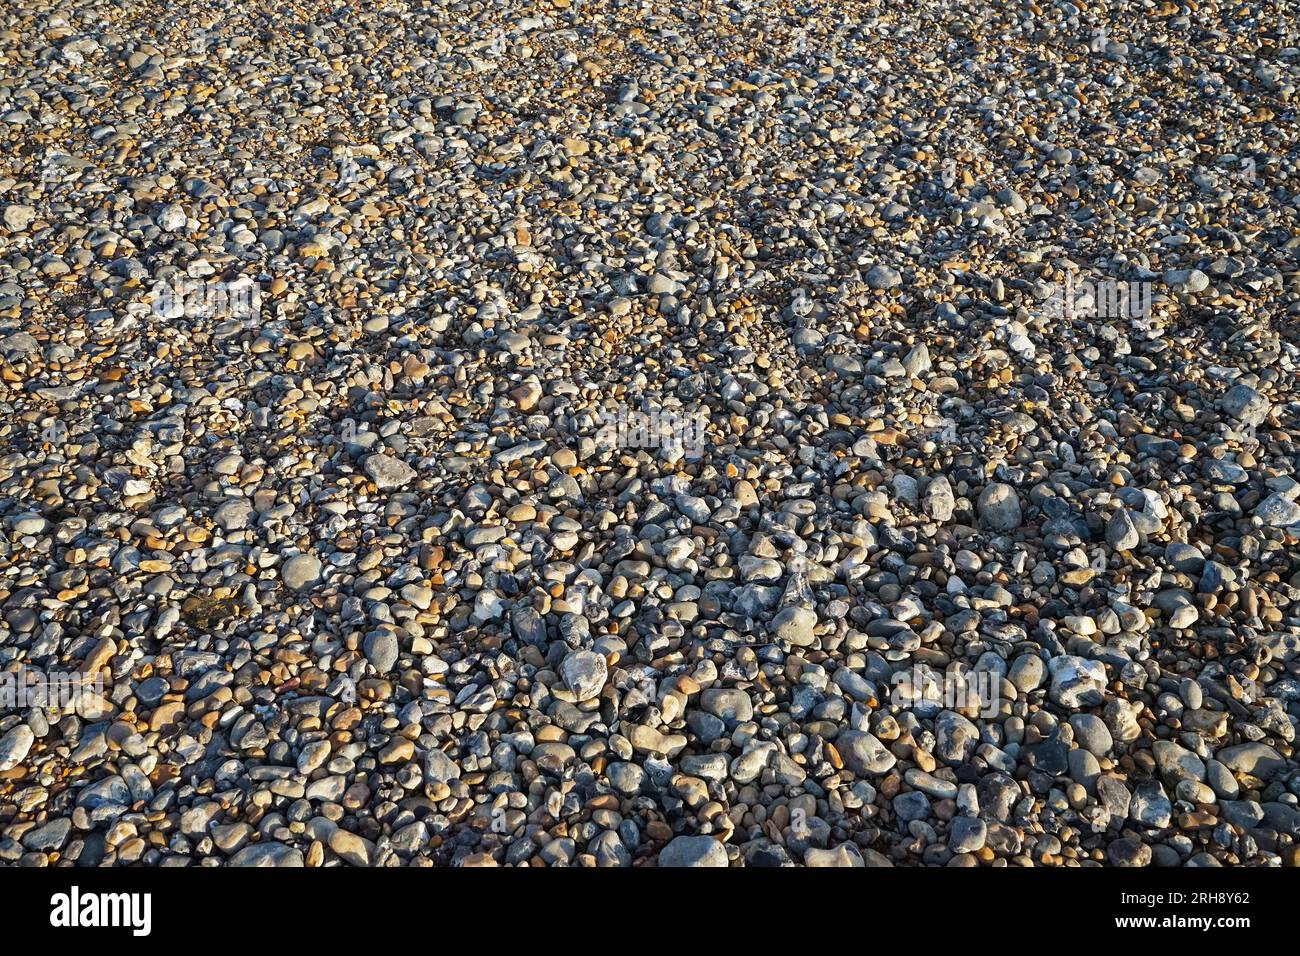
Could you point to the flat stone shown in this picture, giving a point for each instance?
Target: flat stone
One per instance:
(388, 472)
(1256, 759)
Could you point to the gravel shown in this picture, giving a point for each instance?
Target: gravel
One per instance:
(594, 434)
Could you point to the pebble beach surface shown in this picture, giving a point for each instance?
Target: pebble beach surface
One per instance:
(314, 319)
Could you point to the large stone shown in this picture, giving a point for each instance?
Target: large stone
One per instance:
(301, 571)
(1120, 718)
(1256, 759)
(693, 851)
(1177, 763)
(171, 218)
(845, 855)
(1278, 511)
(1151, 806)
(938, 500)
(14, 746)
(863, 753)
(730, 703)
(1248, 405)
(1028, 671)
(917, 361)
(1114, 796)
(351, 848)
(1091, 733)
(52, 836)
(381, 650)
(795, 624)
(1077, 682)
(269, 854)
(882, 276)
(439, 768)
(1129, 851)
(955, 738)
(967, 835)
(584, 673)
(999, 507)
(1187, 280)
(388, 472)
(1121, 533)
(18, 217)
(912, 805)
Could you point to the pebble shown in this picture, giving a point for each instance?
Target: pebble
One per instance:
(584, 673)
(693, 851)
(863, 753)
(388, 472)
(300, 571)
(382, 649)
(597, 436)
(999, 507)
(795, 625)
(1077, 682)
(15, 745)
